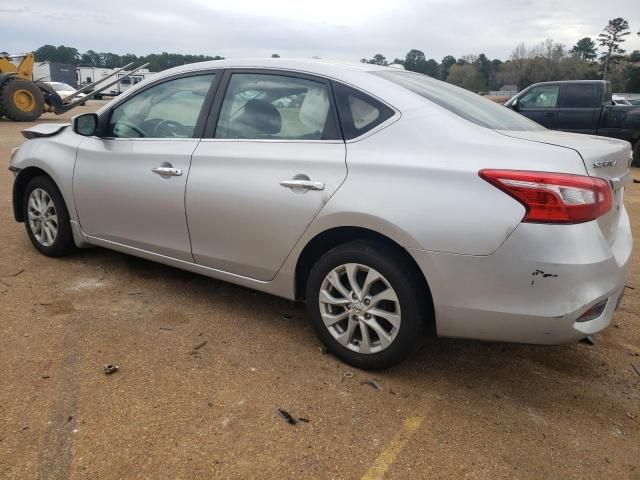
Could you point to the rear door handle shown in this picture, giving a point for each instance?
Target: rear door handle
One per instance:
(308, 184)
(167, 171)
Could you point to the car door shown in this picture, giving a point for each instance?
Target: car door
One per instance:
(129, 183)
(539, 104)
(579, 108)
(273, 159)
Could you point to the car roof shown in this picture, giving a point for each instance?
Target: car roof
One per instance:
(315, 65)
(357, 75)
(570, 81)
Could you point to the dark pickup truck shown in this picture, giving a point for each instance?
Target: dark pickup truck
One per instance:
(581, 106)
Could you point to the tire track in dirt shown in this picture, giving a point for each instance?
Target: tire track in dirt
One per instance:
(56, 452)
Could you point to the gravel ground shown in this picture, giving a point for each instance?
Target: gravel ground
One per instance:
(458, 409)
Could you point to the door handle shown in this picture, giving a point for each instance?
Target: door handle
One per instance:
(168, 171)
(307, 184)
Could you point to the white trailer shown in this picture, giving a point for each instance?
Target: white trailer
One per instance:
(88, 75)
(125, 79)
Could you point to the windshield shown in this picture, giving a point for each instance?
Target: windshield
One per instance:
(463, 103)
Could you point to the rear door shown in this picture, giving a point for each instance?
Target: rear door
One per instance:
(579, 108)
(272, 159)
(540, 103)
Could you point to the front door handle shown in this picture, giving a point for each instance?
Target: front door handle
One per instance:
(167, 171)
(306, 184)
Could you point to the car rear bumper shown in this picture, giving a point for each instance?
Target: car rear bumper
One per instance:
(534, 288)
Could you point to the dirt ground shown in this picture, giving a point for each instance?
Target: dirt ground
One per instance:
(173, 411)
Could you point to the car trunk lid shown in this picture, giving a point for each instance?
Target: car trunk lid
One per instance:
(603, 157)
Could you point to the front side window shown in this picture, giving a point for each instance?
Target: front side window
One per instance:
(461, 102)
(266, 106)
(544, 96)
(167, 110)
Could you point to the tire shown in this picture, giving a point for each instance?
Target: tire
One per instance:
(55, 244)
(21, 100)
(411, 303)
(636, 154)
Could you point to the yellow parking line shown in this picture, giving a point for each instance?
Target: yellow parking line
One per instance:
(389, 454)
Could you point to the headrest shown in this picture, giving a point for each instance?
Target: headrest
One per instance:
(314, 109)
(260, 116)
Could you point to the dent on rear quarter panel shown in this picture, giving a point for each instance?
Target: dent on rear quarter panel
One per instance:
(55, 155)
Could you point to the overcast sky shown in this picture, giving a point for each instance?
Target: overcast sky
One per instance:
(339, 29)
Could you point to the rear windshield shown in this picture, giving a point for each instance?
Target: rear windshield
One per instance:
(462, 102)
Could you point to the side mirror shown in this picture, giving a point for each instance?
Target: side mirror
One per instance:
(85, 124)
(514, 105)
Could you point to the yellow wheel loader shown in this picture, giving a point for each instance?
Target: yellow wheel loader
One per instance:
(24, 100)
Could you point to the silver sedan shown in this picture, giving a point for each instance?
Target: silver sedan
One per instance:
(395, 205)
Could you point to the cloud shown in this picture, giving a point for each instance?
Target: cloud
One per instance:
(332, 29)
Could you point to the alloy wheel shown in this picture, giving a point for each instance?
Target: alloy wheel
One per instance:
(360, 308)
(43, 218)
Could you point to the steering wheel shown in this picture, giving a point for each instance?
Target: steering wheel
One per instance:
(170, 128)
(131, 126)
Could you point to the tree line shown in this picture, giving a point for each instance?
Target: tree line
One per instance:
(544, 62)
(157, 61)
(476, 72)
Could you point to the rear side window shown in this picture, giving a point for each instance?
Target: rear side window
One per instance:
(359, 112)
(579, 96)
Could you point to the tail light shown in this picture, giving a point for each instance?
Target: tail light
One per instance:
(554, 197)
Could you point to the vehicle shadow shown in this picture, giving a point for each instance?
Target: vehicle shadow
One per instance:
(533, 376)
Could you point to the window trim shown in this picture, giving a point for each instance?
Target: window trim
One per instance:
(105, 117)
(216, 108)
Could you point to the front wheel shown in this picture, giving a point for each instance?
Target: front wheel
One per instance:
(366, 304)
(46, 218)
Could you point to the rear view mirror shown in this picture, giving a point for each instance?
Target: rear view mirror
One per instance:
(85, 124)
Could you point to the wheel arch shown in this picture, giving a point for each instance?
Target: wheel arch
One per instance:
(6, 76)
(333, 237)
(19, 185)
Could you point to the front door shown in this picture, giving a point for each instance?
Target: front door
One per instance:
(274, 160)
(129, 186)
(539, 104)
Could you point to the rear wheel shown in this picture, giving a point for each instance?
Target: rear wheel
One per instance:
(46, 218)
(21, 100)
(366, 305)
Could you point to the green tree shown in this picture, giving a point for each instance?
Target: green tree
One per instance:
(486, 69)
(585, 49)
(90, 59)
(445, 66)
(415, 61)
(611, 38)
(378, 59)
(432, 68)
